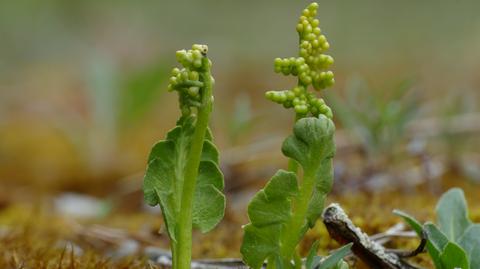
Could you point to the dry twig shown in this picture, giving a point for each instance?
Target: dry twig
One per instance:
(341, 228)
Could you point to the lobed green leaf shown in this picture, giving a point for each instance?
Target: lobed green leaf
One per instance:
(163, 181)
(312, 146)
(209, 201)
(269, 209)
(311, 142)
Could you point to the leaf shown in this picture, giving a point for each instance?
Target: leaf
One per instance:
(323, 186)
(454, 257)
(312, 258)
(163, 181)
(158, 188)
(333, 259)
(414, 224)
(168, 214)
(259, 243)
(452, 215)
(312, 146)
(268, 210)
(470, 242)
(311, 140)
(417, 227)
(455, 227)
(435, 236)
(209, 201)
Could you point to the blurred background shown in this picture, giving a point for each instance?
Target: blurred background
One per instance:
(83, 98)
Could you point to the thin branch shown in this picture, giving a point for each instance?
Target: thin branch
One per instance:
(341, 228)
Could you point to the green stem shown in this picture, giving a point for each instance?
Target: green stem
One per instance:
(189, 83)
(296, 224)
(289, 243)
(173, 247)
(184, 233)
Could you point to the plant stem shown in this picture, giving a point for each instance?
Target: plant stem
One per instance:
(184, 232)
(296, 224)
(173, 246)
(289, 242)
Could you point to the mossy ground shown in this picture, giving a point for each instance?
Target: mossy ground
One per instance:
(32, 235)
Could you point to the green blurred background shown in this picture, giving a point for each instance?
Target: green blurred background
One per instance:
(82, 83)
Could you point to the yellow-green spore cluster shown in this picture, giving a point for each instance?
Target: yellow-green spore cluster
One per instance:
(310, 67)
(302, 101)
(189, 80)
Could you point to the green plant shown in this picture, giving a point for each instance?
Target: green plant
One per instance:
(333, 261)
(182, 174)
(377, 118)
(455, 242)
(292, 201)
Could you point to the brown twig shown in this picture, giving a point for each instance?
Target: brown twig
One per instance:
(341, 228)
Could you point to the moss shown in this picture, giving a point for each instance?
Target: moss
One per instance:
(36, 237)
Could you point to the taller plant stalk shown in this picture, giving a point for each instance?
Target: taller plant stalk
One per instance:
(184, 245)
(274, 236)
(183, 175)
